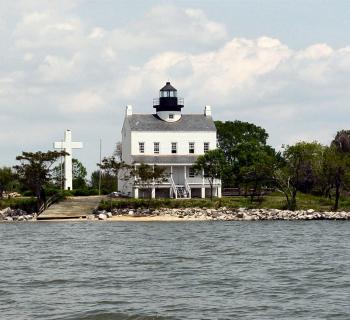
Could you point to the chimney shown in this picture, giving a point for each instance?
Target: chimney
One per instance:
(128, 110)
(207, 111)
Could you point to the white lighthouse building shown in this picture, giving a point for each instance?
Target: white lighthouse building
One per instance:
(170, 139)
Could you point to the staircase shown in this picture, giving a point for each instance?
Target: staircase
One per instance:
(72, 207)
(181, 192)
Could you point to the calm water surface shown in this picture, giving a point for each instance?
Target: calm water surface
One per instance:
(175, 270)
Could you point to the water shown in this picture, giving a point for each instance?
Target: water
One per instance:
(175, 270)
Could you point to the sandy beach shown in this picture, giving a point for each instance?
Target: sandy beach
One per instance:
(164, 218)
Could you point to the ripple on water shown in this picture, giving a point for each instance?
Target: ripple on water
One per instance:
(228, 270)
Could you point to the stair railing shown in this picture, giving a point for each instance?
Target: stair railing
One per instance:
(173, 186)
(188, 188)
(50, 201)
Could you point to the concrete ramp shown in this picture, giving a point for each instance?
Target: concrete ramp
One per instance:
(72, 207)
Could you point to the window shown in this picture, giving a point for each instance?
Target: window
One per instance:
(173, 147)
(191, 147)
(171, 116)
(141, 147)
(156, 147)
(206, 147)
(191, 172)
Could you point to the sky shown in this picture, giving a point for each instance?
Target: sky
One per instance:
(75, 64)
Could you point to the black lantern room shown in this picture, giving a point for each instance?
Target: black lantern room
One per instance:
(168, 100)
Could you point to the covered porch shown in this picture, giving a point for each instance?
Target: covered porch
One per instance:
(181, 183)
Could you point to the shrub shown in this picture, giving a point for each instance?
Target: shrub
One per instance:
(26, 204)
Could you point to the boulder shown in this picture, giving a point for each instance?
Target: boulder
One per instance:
(109, 214)
(102, 216)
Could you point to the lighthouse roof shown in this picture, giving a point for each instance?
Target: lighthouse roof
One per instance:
(168, 87)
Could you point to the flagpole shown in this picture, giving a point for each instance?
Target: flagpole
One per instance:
(100, 171)
(61, 166)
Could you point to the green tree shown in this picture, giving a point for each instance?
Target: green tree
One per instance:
(112, 167)
(34, 171)
(242, 143)
(109, 183)
(7, 180)
(146, 176)
(259, 172)
(336, 166)
(301, 162)
(79, 175)
(212, 164)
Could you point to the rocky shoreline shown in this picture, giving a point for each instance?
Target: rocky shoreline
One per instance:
(223, 214)
(10, 215)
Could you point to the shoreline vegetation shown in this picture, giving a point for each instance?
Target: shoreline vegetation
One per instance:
(305, 176)
(270, 207)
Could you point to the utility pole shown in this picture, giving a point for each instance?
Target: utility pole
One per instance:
(100, 171)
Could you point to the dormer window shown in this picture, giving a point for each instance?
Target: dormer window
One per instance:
(171, 116)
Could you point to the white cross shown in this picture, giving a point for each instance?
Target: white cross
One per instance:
(68, 145)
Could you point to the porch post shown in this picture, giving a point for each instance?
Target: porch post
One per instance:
(153, 192)
(203, 187)
(219, 191)
(136, 190)
(171, 186)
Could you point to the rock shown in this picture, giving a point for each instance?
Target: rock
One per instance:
(9, 219)
(6, 212)
(20, 218)
(247, 217)
(239, 215)
(131, 213)
(102, 216)
(109, 214)
(90, 217)
(310, 211)
(216, 215)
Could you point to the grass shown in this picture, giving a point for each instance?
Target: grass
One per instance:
(25, 203)
(273, 201)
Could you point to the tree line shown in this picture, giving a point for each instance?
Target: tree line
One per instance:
(243, 159)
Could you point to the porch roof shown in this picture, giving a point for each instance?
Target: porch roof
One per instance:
(170, 159)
